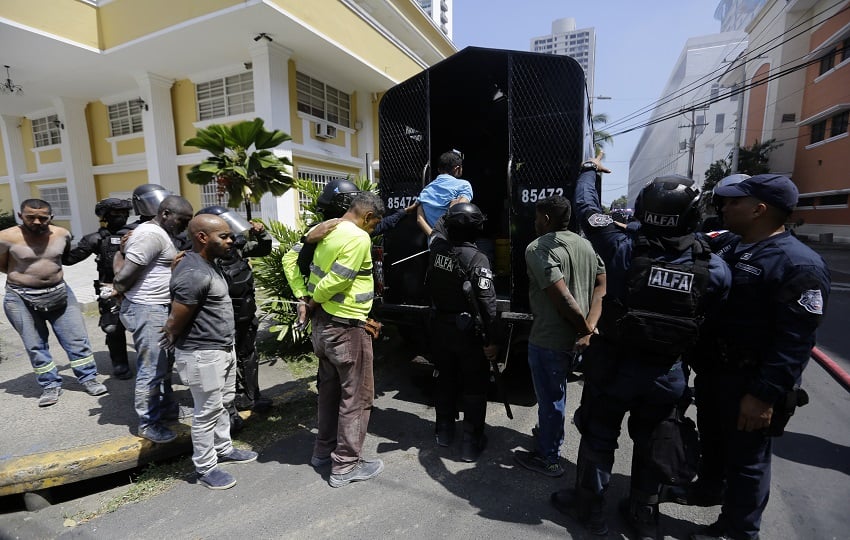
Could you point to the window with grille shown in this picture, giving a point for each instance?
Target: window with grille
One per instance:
(839, 124)
(225, 97)
(125, 118)
(211, 197)
(323, 101)
(818, 131)
(319, 179)
(826, 63)
(57, 196)
(45, 131)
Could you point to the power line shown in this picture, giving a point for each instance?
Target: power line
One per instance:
(696, 84)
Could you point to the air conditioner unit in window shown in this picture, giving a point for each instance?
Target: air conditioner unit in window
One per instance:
(325, 131)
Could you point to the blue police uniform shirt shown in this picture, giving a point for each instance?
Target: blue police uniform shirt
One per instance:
(780, 288)
(615, 245)
(436, 196)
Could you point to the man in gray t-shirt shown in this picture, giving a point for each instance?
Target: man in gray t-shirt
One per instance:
(201, 329)
(142, 271)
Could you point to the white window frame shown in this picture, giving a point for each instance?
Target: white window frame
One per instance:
(227, 96)
(322, 101)
(45, 131)
(60, 203)
(125, 118)
(210, 197)
(319, 177)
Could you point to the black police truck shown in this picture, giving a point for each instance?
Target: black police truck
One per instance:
(521, 122)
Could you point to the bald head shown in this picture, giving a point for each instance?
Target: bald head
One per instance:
(210, 235)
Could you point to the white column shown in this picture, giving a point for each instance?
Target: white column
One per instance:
(160, 140)
(366, 130)
(271, 103)
(76, 157)
(13, 147)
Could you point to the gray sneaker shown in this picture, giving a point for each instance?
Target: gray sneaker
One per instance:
(217, 479)
(49, 396)
(366, 469)
(319, 462)
(157, 433)
(94, 388)
(534, 462)
(238, 456)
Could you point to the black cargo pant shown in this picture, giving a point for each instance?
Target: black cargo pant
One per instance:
(463, 374)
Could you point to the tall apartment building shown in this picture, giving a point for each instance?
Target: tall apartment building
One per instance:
(566, 40)
(439, 11)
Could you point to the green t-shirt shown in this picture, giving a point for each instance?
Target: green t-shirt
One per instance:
(550, 258)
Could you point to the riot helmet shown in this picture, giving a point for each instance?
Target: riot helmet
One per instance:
(336, 197)
(238, 224)
(668, 206)
(731, 180)
(147, 198)
(107, 205)
(464, 222)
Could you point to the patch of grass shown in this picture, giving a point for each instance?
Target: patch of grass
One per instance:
(297, 413)
(154, 479)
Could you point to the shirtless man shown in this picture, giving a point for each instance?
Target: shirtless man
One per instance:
(31, 256)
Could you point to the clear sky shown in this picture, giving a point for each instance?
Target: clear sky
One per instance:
(637, 45)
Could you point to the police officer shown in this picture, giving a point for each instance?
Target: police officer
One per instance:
(146, 200)
(463, 327)
(748, 378)
(250, 240)
(661, 281)
(105, 243)
(720, 239)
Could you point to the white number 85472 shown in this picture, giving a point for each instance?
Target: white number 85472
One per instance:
(534, 195)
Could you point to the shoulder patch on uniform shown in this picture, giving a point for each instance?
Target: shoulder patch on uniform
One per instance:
(715, 234)
(812, 301)
(483, 278)
(600, 220)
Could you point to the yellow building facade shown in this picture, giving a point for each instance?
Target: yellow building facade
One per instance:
(112, 88)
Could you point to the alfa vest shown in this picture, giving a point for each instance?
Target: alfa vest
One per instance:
(662, 312)
(240, 282)
(108, 244)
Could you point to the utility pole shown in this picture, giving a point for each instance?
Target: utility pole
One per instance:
(736, 146)
(692, 145)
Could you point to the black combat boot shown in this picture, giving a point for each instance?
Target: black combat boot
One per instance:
(640, 511)
(445, 431)
(584, 506)
(474, 441)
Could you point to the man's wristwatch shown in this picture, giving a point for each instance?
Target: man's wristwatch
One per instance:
(589, 166)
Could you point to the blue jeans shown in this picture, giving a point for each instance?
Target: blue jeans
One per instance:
(69, 328)
(211, 377)
(549, 370)
(145, 322)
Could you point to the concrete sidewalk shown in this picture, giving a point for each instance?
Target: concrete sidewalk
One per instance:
(81, 436)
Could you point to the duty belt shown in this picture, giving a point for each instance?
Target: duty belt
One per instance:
(348, 322)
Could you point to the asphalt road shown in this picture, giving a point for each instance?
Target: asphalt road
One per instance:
(426, 492)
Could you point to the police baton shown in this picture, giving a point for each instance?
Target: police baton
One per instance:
(494, 366)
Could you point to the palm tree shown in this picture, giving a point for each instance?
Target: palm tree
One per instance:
(600, 136)
(242, 164)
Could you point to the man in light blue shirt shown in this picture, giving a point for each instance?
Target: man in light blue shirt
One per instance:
(437, 196)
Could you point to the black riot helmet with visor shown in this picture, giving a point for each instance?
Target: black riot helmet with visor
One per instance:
(668, 206)
(464, 222)
(336, 197)
(238, 224)
(147, 198)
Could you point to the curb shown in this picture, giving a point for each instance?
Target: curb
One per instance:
(33, 472)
